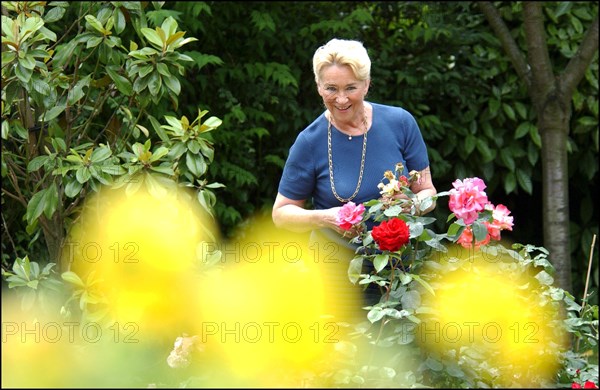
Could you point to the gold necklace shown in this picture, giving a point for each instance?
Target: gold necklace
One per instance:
(362, 163)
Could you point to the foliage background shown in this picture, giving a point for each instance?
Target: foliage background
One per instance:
(250, 64)
(252, 68)
(440, 61)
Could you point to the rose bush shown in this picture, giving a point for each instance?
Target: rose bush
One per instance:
(409, 260)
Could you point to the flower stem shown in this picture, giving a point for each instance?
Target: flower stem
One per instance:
(587, 279)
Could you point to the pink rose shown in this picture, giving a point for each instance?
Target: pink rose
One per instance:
(467, 199)
(501, 218)
(349, 215)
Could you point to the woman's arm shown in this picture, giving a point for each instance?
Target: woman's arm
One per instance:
(423, 188)
(291, 215)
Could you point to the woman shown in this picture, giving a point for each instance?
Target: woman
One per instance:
(342, 155)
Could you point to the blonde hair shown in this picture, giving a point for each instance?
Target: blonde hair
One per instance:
(343, 52)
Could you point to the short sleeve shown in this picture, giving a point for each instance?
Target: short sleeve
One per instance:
(298, 177)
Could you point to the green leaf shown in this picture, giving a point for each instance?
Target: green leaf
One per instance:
(123, 84)
(154, 83)
(23, 74)
(152, 36)
(521, 109)
(14, 281)
(36, 206)
(31, 25)
(434, 364)
(522, 130)
(83, 174)
(375, 314)
(76, 93)
(51, 200)
(535, 136)
(155, 188)
(480, 231)
(157, 127)
(172, 83)
(73, 188)
(163, 69)
(140, 84)
(169, 26)
(195, 164)
(119, 20)
(95, 23)
(411, 300)
(211, 123)
(533, 154)
(380, 261)
(470, 142)
(507, 158)
(405, 278)
(485, 151)
(524, 181)
(193, 146)
(355, 269)
(423, 283)
(5, 129)
(41, 86)
(159, 153)
(544, 278)
(508, 110)
(22, 267)
(494, 106)
(93, 42)
(100, 154)
(52, 113)
(455, 230)
(73, 278)
(36, 163)
(164, 170)
(33, 284)
(510, 182)
(27, 62)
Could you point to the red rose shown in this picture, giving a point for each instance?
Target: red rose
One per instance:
(391, 235)
(586, 385)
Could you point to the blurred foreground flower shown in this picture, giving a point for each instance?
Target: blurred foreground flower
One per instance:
(181, 355)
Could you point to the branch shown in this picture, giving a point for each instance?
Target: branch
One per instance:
(508, 43)
(537, 49)
(577, 66)
(15, 197)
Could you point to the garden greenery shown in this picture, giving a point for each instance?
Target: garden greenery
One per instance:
(413, 269)
(100, 93)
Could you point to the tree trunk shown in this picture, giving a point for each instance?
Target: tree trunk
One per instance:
(551, 97)
(553, 124)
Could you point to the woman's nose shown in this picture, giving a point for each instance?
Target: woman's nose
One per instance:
(341, 97)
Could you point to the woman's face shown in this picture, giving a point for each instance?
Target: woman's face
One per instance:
(342, 93)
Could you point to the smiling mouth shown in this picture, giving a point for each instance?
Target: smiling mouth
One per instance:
(343, 108)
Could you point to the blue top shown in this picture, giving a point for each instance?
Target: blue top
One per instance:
(394, 137)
